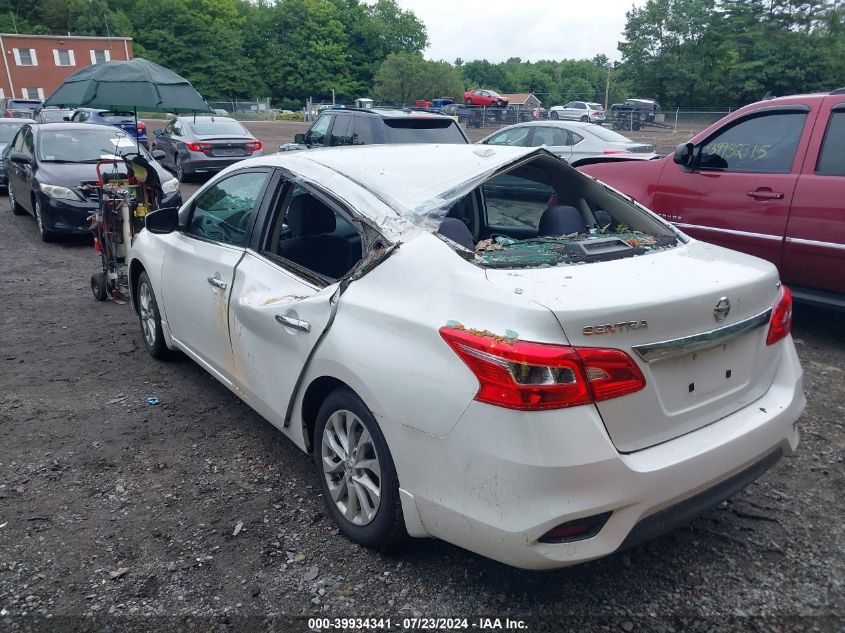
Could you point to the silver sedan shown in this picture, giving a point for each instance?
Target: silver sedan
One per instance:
(570, 140)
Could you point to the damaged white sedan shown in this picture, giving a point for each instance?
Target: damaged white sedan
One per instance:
(478, 344)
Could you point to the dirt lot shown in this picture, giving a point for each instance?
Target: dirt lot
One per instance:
(116, 514)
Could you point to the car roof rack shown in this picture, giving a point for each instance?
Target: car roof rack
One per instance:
(838, 91)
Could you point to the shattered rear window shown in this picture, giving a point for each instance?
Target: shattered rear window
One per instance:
(543, 213)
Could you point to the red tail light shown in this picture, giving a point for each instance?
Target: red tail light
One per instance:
(253, 146)
(596, 113)
(536, 376)
(615, 151)
(9, 113)
(781, 324)
(141, 125)
(205, 148)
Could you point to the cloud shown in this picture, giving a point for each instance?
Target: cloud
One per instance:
(496, 30)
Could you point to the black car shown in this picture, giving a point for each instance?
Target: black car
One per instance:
(638, 111)
(47, 162)
(377, 126)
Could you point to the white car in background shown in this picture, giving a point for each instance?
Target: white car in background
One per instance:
(583, 111)
(569, 140)
(478, 344)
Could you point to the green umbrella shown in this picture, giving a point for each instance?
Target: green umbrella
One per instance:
(136, 84)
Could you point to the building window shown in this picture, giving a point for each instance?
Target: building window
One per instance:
(25, 56)
(32, 93)
(64, 58)
(100, 57)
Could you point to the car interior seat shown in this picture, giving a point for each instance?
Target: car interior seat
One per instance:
(561, 220)
(313, 246)
(457, 231)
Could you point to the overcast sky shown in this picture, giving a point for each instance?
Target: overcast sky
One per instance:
(530, 29)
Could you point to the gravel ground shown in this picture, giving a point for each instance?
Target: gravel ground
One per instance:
(195, 513)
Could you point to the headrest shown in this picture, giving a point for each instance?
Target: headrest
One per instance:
(561, 220)
(457, 231)
(308, 216)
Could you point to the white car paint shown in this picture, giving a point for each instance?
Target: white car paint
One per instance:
(557, 136)
(489, 479)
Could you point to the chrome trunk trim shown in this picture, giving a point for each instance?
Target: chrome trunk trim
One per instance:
(698, 342)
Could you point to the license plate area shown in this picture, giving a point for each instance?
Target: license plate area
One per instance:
(228, 152)
(705, 376)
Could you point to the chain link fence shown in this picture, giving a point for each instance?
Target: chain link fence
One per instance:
(245, 110)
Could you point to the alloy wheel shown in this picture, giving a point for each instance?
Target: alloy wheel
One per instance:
(148, 320)
(180, 174)
(351, 467)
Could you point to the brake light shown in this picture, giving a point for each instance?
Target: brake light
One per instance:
(205, 148)
(615, 151)
(781, 324)
(536, 376)
(596, 113)
(141, 125)
(253, 146)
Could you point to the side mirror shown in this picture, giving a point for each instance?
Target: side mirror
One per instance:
(162, 221)
(20, 158)
(299, 138)
(683, 154)
(65, 118)
(158, 154)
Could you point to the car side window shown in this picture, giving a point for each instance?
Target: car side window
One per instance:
(314, 236)
(551, 136)
(224, 211)
(317, 134)
(760, 144)
(832, 156)
(365, 130)
(516, 137)
(570, 105)
(28, 143)
(341, 131)
(178, 128)
(574, 138)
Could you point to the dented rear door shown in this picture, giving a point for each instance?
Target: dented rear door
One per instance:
(275, 319)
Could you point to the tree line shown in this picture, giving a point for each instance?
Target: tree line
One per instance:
(686, 53)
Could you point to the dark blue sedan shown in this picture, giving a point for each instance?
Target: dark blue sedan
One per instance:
(124, 120)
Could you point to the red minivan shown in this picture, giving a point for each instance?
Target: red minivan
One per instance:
(768, 179)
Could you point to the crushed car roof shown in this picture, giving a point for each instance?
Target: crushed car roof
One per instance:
(411, 179)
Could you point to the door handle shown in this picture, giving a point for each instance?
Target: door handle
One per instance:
(296, 324)
(217, 282)
(766, 194)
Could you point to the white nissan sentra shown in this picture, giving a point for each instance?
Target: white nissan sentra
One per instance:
(478, 344)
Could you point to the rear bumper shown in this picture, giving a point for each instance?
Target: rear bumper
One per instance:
(502, 479)
(198, 163)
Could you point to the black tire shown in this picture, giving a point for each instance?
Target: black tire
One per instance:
(152, 335)
(584, 119)
(100, 286)
(387, 527)
(178, 170)
(553, 116)
(468, 102)
(13, 204)
(636, 125)
(46, 234)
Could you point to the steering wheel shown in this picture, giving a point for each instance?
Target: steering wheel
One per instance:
(214, 230)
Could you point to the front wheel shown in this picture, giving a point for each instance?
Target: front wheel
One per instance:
(584, 119)
(553, 116)
(150, 319)
(468, 102)
(45, 233)
(357, 476)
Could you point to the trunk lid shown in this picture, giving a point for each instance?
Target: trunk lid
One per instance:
(226, 145)
(659, 299)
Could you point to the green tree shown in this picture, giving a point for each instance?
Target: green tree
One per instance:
(404, 78)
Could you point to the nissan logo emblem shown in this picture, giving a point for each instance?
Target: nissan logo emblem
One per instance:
(722, 309)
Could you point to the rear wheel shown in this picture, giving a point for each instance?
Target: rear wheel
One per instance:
(46, 234)
(179, 169)
(469, 101)
(16, 208)
(356, 472)
(100, 286)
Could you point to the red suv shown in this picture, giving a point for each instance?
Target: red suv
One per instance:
(768, 179)
(485, 98)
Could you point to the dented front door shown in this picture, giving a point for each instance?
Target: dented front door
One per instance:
(275, 320)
